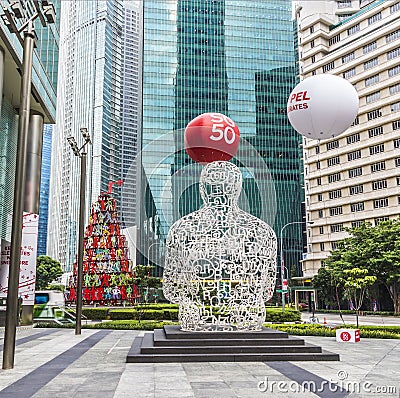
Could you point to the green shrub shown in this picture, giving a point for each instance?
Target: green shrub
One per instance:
(143, 314)
(277, 315)
(130, 325)
(96, 314)
(306, 329)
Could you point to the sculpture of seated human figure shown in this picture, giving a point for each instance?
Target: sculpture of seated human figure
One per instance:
(220, 263)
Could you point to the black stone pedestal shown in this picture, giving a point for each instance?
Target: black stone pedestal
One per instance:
(171, 344)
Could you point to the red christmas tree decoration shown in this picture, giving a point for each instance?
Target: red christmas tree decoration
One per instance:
(107, 269)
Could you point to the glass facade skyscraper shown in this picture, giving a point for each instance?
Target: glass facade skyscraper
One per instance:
(44, 189)
(94, 42)
(227, 56)
(43, 100)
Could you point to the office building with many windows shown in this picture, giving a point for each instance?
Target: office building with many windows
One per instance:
(354, 177)
(43, 98)
(227, 56)
(97, 39)
(44, 189)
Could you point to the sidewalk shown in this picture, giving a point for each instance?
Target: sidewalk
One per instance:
(56, 363)
(351, 319)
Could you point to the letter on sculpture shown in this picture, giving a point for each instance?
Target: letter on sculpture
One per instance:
(220, 263)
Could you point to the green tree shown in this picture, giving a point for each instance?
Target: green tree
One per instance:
(47, 270)
(355, 282)
(376, 249)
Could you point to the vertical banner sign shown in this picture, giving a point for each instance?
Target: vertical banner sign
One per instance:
(27, 275)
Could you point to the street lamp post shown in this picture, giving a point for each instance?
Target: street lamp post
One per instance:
(81, 153)
(282, 258)
(27, 37)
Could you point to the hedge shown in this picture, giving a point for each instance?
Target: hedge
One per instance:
(380, 332)
(170, 312)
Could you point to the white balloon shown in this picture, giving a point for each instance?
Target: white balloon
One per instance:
(322, 106)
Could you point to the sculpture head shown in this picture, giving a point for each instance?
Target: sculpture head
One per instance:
(220, 183)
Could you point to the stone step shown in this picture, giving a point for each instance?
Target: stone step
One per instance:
(173, 345)
(161, 340)
(174, 332)
(149, 348)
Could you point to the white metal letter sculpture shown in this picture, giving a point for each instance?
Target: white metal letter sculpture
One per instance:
(220, 263)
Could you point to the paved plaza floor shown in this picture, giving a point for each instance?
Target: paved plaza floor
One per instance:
(57, 363)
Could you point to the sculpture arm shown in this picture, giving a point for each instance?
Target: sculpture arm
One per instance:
(172, 276)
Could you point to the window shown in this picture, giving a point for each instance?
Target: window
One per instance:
(313, 59)
(337, 193)
(311, 29)
(378, 220)
(396, 125)
(393, 53)
(393, 36)
(381, 184)
(374, 114)
(396, 143)
(322, 246)
(321, 230)
(328, 67)
(334, 245)
(332, 145)
(371, 80)
(356, 121)
(356, 189)
(312, 43)
(334, 39)
(394, 8)
(351, 139)
(373, 150)
(394, 89)
(394, 71)
(358, 223)
(375, 131)
(353, 29)
(369, 47)
(320, 213)
(318, 164)
(373, 97)
(337, 228)
(398, 180)
(348, 57)
(354, 155)
(378, 166)
(320, 197)
(355, 172)
(395, 107)
(397, 162)
(357, 207)
(378, 203)
(317, 150)
(334, 177)
(371, 63)
(375, 18)
(336, 211)
(344, 3)
(349, 73)
(342, 17)
(319, 181)
(333, 161)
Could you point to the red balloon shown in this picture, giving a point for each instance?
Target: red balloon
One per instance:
(210, 137)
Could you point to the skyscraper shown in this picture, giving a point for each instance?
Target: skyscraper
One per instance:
(355, 177)
(224, 56)
(44, 189)
(96, 40)
(43, 101)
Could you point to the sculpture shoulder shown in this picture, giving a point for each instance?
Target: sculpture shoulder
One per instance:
(185, 223)
(255, 226)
